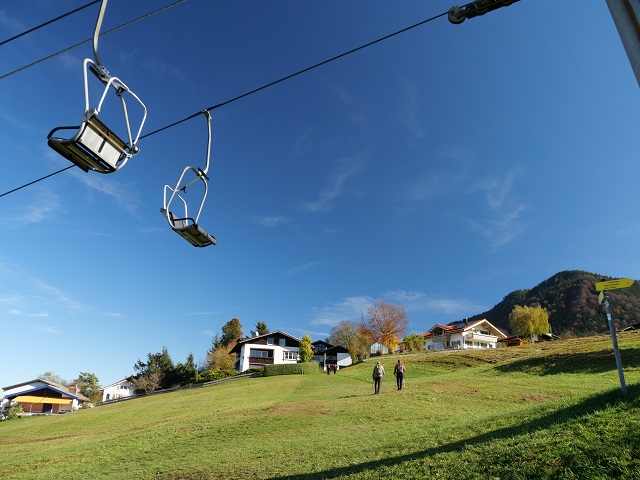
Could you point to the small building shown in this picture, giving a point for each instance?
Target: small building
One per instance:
(463, 335)
(42, 397)
(510, 342)
(270, 349)
(120, 389)
(377, 347)
(327, 354)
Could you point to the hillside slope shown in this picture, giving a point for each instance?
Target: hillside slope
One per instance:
(572, 303)
(547, 411)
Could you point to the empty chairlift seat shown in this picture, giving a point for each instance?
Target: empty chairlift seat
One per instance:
(93, 147)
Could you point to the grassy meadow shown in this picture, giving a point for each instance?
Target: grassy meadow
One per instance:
(552, 410)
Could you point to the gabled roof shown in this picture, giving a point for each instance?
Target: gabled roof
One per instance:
(464, 325)
(47, 385)
(245, 341)
(322, 342)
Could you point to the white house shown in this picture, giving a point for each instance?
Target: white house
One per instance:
(463, 335)
(328, 354)
(120, 389)
(271, 349)
(42, 397)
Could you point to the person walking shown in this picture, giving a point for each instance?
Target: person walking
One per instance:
(399, 371)
(378, 373)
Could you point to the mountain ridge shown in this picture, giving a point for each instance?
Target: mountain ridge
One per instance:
(572, 302)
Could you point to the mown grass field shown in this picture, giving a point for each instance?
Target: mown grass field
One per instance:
(551, 410)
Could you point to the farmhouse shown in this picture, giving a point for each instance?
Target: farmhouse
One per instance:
(271, 349)
(327, 354)
(121, 389)
(42, 397)
(463, 335)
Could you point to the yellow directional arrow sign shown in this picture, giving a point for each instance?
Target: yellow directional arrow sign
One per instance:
(614, 284)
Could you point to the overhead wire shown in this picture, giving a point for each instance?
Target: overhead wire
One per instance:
(255, 90)
(131, 22)
(48, 22)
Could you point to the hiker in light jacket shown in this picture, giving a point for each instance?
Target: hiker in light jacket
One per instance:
(378, 373)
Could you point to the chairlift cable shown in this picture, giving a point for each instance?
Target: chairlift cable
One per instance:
(144, 17)
(48, 22)
(227, 102)
(36, 181)
(300, 72)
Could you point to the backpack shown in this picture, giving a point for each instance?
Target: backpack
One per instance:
(379, 370)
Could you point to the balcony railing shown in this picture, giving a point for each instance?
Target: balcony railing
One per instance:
(261, 360)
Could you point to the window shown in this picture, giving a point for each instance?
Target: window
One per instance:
(287, 355)
(281, 342)
(258, 353)
(269, 340)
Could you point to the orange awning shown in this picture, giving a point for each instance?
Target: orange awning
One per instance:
(34, 399)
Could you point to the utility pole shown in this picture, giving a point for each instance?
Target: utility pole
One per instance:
(626, 16)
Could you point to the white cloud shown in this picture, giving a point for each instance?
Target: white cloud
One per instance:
(410, 113)
(10, 24)
(503, 225)
(301, 268)
(336, 183)
(45, 204)
(49, 329)
(125, 195)
(422, 302)
(270, 222)
(350, 309)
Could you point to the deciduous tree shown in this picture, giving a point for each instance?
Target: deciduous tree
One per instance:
(387, 323)
(305, 351)
(414, 342)
(351, 336)
(529, 321)
(52, 377)
(220, 359)
(89, 386)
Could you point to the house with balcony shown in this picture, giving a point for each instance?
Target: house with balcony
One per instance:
(463, 335)
(327, 354)
(271, 349)
(42, 397)
(118, 390)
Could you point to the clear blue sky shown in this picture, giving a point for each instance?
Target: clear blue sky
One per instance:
(440, 170)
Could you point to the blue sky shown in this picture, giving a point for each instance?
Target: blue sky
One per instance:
(440, 170)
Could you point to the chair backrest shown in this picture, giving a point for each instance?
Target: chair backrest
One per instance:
(102, 142)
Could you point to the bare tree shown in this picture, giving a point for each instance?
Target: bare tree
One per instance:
(387, 323)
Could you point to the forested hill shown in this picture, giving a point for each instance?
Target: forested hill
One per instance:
(572, 303)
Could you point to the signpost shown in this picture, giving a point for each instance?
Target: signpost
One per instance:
(603, 288)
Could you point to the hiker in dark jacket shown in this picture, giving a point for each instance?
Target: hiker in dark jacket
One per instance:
(378, 373)
(399, 371)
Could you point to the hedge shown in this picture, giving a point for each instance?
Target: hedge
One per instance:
(292, 369)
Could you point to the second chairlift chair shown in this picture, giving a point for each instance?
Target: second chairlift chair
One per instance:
(184, 225)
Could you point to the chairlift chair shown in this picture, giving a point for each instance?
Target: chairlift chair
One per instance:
(94, 146)
(184, 225)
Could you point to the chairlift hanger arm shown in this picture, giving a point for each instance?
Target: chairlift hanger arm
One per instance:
(99, 69)
(458, 15)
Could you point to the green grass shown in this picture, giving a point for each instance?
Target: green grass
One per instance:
(551, 410)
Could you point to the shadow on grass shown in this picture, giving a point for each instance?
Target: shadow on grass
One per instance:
(589, 362)
(590, 405)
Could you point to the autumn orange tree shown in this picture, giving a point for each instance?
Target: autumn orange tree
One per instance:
(387, 324)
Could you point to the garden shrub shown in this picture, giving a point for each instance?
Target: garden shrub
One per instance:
(292, 369)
